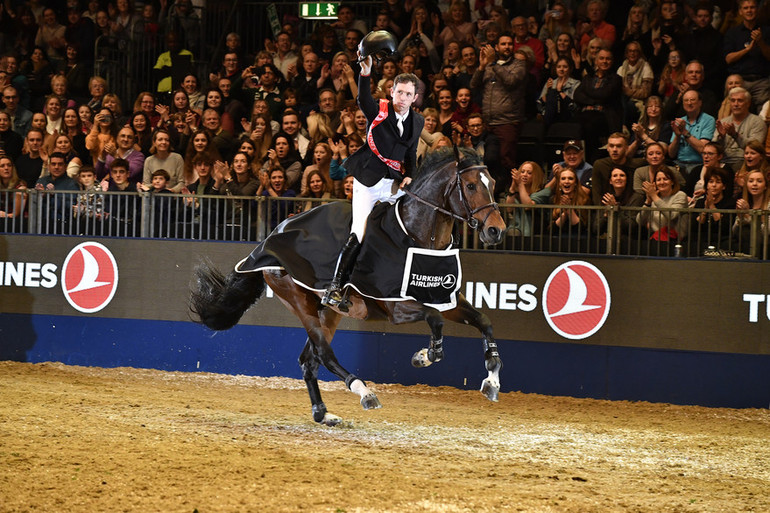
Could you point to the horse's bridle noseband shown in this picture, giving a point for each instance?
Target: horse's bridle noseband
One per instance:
(457, 183)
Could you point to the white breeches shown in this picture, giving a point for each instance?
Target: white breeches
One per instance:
(364, 199)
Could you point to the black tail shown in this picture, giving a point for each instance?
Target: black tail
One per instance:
(220, 301)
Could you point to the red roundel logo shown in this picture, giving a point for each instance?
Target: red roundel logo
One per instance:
(576, 300)
(89, 277)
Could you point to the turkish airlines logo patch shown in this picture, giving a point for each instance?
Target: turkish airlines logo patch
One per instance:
(89, 277)
(576, 300)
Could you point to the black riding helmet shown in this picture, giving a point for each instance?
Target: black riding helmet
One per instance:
(379, 44)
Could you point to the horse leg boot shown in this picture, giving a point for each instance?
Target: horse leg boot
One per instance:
(334, 295)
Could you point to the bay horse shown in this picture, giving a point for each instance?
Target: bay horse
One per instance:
(449, 186)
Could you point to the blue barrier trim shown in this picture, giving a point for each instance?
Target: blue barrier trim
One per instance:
(578, 370)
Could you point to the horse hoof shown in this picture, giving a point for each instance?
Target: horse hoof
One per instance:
(370, 402)
(331, 420)
(420, 358)
(490, 390)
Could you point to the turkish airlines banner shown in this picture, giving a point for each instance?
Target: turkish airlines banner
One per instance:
(680, 304)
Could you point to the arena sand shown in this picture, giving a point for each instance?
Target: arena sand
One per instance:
(76, 439)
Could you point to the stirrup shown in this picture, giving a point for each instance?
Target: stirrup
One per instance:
(336, 297)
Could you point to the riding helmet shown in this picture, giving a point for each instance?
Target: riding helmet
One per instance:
(379, 44)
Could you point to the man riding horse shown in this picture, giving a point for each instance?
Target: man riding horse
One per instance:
(383, 166)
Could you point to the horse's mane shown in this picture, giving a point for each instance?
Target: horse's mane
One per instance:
(441, 157)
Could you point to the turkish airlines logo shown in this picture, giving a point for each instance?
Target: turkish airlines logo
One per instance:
(449, 281)
(576, 300)
(89, 277)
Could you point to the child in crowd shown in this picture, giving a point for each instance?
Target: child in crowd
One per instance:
(89, 203)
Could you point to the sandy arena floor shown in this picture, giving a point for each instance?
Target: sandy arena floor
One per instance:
(75, 439)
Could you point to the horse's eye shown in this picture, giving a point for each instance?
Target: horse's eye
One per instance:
(471, 186)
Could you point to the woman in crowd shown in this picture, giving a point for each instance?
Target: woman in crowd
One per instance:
(11, 203)
(713, 228)
(200, 144)
(672, 76)
(696, 181)
(59, 88)
(104, 131)
(76, 72)
(458, 28)
(63, 144)
(214, 101)
(53, 114)
(663, 225)
(72, 127)
(97, 87)
(283, 154)
(38, 72)
(563, 48)
(86, 116)
(124, 149)
(112, 102)
(163, 157)
(140, 123)
(262, 134)
(260, 108)
(637, 77)
(322, 158)
(464, 108)
(526, 189)
(446, 107)
(650, 128)
(637, 26)
(621, 194)
(145, 102)
(569, 193)
(753, 160)
(343, 78)
(239, 181)
(430, 132)
(655, 156)
(755, 196)
(556, 102)
(319, 187)
(557, 22)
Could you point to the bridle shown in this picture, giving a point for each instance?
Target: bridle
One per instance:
(457, 184)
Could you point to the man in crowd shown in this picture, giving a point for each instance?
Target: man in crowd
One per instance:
(20, 116)
(503, 81)
(617, 147)
(739, 127)
(747, 53)
(693, 81)
(690, 133)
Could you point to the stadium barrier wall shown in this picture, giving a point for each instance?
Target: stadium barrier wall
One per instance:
(685, 331)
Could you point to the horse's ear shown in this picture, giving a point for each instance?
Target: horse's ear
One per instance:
(457, 152)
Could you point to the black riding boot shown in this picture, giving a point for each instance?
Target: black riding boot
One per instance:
(334, 295)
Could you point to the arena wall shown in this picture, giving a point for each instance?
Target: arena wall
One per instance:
(665, 330)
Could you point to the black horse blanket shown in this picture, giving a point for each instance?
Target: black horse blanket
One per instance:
(390, 266)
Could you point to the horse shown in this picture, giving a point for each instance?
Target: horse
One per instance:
(449, 186)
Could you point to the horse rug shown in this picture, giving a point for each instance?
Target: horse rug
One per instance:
(390, 266)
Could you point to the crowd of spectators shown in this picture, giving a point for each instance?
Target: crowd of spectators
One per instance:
(669, 98)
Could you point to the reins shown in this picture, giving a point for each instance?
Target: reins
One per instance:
(469, 219)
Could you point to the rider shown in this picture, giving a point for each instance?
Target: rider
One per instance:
(384, 162)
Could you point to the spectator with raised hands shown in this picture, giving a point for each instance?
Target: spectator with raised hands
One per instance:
(526, 189)
(662, 224)
(740, 127)
(650, 128)
(124, 149)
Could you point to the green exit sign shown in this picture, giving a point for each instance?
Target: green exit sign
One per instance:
(318, 10)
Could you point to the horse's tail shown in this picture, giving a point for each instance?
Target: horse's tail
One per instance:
(220, 301)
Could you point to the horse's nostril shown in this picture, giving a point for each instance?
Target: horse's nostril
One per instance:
(493, 232)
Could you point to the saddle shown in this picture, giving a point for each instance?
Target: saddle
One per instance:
(389, 267)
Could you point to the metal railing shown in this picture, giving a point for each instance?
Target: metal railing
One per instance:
(601, 230)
